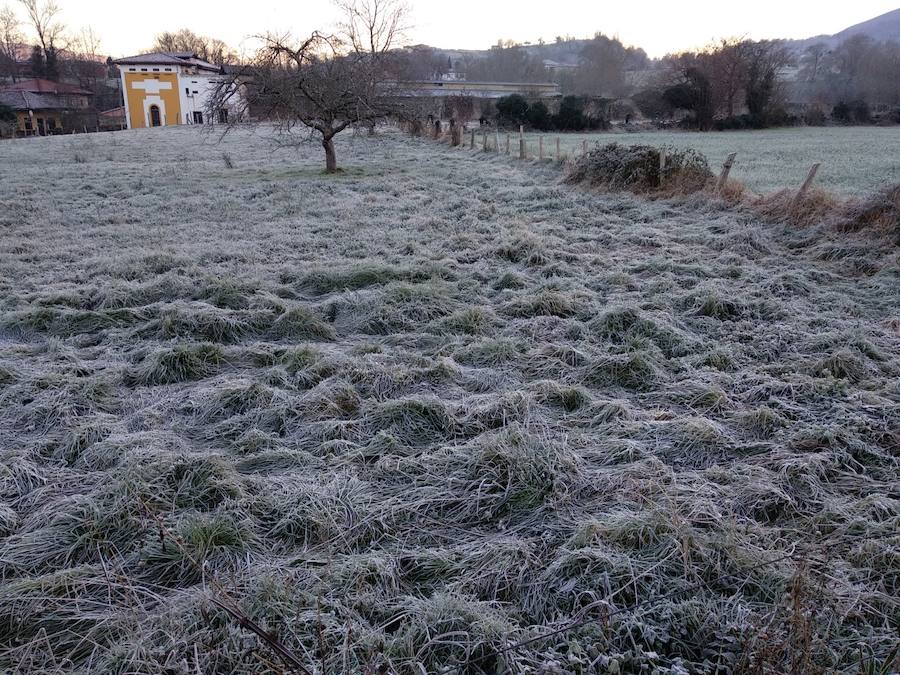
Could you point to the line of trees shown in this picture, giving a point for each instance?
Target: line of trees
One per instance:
(737, 83)
(571, 114)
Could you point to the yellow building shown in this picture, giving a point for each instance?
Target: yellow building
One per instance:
(165, 88)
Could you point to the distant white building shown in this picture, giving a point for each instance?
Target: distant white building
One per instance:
(165, 88)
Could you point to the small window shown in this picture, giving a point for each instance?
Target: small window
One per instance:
(223, 116)
(132, 69)
(198, 117)
(196, 92)
(143, 70)
(193, 81)
(156, 70)
(187, 91)
(168, 70)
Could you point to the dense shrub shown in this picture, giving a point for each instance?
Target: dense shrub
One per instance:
(571, 114)
(512, 109)
(539, 116)
(814, 117)
(636, 168)
(854, 112)
(653, 104)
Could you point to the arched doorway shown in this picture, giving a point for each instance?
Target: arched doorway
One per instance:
(155, 119)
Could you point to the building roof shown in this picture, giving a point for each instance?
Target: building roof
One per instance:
(185, 59)
(113, 113)
(26, 100)
(40, 86)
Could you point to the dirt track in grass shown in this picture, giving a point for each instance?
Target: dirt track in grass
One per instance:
(440, 403)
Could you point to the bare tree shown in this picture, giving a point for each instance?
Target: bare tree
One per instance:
(373, 27)
(327, 83)
(763, 87)
(811, 61)
(726, 62)
(43, 17)
(207, 48)
(84, 60)
(11, 42)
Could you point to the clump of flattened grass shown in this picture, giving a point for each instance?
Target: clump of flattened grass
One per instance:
(201, 322)
(51, 608)
(299, 323)
(181, 363)
(354, 278)
(543, 303)
(227, 293)
(713, 304)
(215, 540)
(497, 412)
(72, 531)
(329, 400)
(762, 422)
(843, 364)
(568, 398)
(64, 322)
(399, 308)
(634, 370)
(513, 470)
(305, 366)
(229, 401)
(526, 249)
(509, 280)
(628, 528)
(719, 359)
(626, 325)
(490, 353)
(182, 482)
(80, 438)
(333, 511)
(612, 411)
(469, 321)
(698, 433)
(478, 630)
(416, 420)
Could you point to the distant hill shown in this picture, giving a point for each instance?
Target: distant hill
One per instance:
(882, 28)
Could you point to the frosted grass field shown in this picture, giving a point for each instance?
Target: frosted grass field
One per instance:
(408, 416)
(855, 160)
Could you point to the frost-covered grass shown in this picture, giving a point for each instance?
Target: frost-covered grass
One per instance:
(406, 416)
(855, 160)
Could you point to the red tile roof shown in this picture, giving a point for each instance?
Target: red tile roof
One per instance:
(41, 86)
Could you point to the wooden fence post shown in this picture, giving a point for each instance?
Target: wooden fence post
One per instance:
(726, 169)
(484, 141)
(541, 147)
(472, 140)
(507, 144)
(557, 149)
(523, 151)
(810, 177)
(583, 148)
(497, 140)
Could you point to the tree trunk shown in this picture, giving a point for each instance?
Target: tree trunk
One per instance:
(330, 158)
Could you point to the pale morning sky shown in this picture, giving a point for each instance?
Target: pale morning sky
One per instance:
(657, 26)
